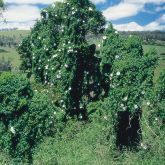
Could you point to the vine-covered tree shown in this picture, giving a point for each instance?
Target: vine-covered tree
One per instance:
(58, 54)
(129, 73)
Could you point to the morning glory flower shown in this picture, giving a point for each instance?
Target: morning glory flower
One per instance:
(148, 103)
(12, 130)
(118, 73)
(117, 56)
(104, 37)
(90, 9)
(136, 106)
(125, 98)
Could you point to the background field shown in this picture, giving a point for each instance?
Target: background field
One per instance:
(12, 55)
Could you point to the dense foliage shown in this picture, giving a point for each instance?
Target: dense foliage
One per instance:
(24, 117)
(58, 54)
(108, 86)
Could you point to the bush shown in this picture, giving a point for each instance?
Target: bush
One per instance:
(24, 117)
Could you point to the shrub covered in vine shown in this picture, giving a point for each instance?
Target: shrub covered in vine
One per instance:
(25, 117)
(58, 54)
(128, 75)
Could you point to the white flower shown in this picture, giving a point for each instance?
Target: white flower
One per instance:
(105, 117)
(122, 105)
(116, 32)
(46, 67)
(39, 68)
(52, 68)
(104, 37)
(66, 66)
(83, 21)
(12, 130)
(99, 45)
(130, 35)
(156, 118)
(117, 56)
(80, 117)
(72, 8)
(90, 9)
(33, 57)
(58, 76)
(69, 88)
(143, 92)
(136, 106)
(111, 74)
(143, 146)
(118, 73)
(54, 56)
(73, 12)
(61, 101)
(148, 103)
(124, 108)
(125, 98)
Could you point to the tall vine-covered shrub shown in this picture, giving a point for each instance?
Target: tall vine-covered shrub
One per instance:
(25, 117)
(129, 73)
(60, 55)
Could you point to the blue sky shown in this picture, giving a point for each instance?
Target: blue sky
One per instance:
(134, 15)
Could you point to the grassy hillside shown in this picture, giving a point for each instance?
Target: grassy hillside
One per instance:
(11, 55)
(15, 33)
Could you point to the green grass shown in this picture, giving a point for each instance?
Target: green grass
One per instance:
(15, 33)
(10, 54)
(160, 49)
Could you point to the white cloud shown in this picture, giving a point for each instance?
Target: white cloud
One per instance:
(162, 19)
(144, 1)
(133, 26)
(21, 13)
(127, 8)
(44, 1)
(122, 10)
(98, 1)
(31, 1)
